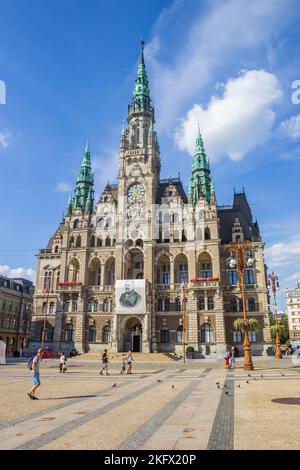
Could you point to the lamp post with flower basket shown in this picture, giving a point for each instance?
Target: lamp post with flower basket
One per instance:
(276, 329)
(243, 325)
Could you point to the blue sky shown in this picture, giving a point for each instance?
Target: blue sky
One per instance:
(69, 68)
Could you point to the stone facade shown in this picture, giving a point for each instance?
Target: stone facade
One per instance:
(147, 228)
(293, 312)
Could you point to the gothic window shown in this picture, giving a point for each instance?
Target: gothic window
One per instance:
(183, 271)
(207, 333)
(76, 223)
(183, 236)
(107, 241)
(106, 334)
(71, 244)
(205, 269)
(166, 274)
(164, 335)
(99, 242)
(69, 333)
(74, 306)
(99, 223)
(207, 234)
(108, 223)
(96, 305)
(56, 249)
(90, 306)
(92, 333)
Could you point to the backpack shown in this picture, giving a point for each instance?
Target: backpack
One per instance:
(29, 363)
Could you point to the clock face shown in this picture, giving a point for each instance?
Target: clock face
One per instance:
(136, 192)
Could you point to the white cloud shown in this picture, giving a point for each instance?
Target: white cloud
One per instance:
(5, 137)
(105, 167)
(294, 277)
(64, 187)
(17, 272)
(283, 254)
(292, 126)
(236, 122)
(221, 34)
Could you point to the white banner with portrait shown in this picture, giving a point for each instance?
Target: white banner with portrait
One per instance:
(131, 296)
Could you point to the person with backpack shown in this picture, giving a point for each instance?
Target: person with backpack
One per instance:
(62, 363)
(34, 366)
(105, 362)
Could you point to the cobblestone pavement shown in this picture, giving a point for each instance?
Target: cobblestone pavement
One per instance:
(170, 406)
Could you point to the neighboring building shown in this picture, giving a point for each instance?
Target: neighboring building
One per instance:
(293, 311)
(16, 301)
(146, 228)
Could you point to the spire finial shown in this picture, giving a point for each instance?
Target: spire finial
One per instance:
(142, 51)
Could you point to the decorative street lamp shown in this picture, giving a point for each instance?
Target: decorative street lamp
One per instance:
(273, 285)
(46, 293)
(240, 248)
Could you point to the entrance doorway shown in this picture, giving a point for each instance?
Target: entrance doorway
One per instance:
(133, 335)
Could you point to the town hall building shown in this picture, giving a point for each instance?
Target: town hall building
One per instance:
(147, 262)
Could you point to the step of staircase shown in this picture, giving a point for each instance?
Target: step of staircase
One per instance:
(138, 357)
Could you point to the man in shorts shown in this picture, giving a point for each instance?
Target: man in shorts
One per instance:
(36, 374)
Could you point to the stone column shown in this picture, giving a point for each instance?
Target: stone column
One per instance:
(172, 274)
(102, 277)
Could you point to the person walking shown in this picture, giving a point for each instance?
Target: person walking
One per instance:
(129, 360)
(123, 369)
(105, 362)
(35, 370)
(232, 358)
(62, 362)
(226, 357)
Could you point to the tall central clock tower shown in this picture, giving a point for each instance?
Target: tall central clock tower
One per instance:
(138, 180)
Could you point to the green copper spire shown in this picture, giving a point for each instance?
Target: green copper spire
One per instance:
(84, 183)
(141, 100)
(201, 181)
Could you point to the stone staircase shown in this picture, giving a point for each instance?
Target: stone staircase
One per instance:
(138, 357)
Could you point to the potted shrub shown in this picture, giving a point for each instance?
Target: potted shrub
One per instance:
(190, 352)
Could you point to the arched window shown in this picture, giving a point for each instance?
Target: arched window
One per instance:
(207, 234)
(106, 334)
(107, 241)
(108, 223)
(249, 278)
(179, 334)
(99, 241)
(210, 303)
(106, 305)
(207, 333)
(52, 308)
(56, 249)
(48, 333)
(44, 308)
(100, 223)
(177, 305)
(76, 223)
(232, 277)
(251, 305)
(78, 241)
(92, 333)
(69, 332)
(71, 243)
(92, 240)
(183, 236)
(164, 335)
(201, 303)
(73, 270)
(233, 305)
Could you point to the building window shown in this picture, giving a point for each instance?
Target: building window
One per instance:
(237, 336)
(252, 336)
(96, 305)
(207, 234)
(69, 333)
(179, 334)
(74, 306)
(232, 305)
(206, 270)
(201, 303)
(183, 273)
(177, 305)
(251, 305)
(249, 278)
(51, 308)
(49, 333)
(106, 334)
(207, 333)
(164, 335)
(166, 274)
(106, 305)
(47, 280)
(210, 303)
(92, 333)
(44, 308)
(76, 223)
(232, 277)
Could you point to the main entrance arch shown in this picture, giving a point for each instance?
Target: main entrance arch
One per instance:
(133, 335)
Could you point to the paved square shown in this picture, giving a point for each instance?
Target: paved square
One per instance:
(162, 405)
